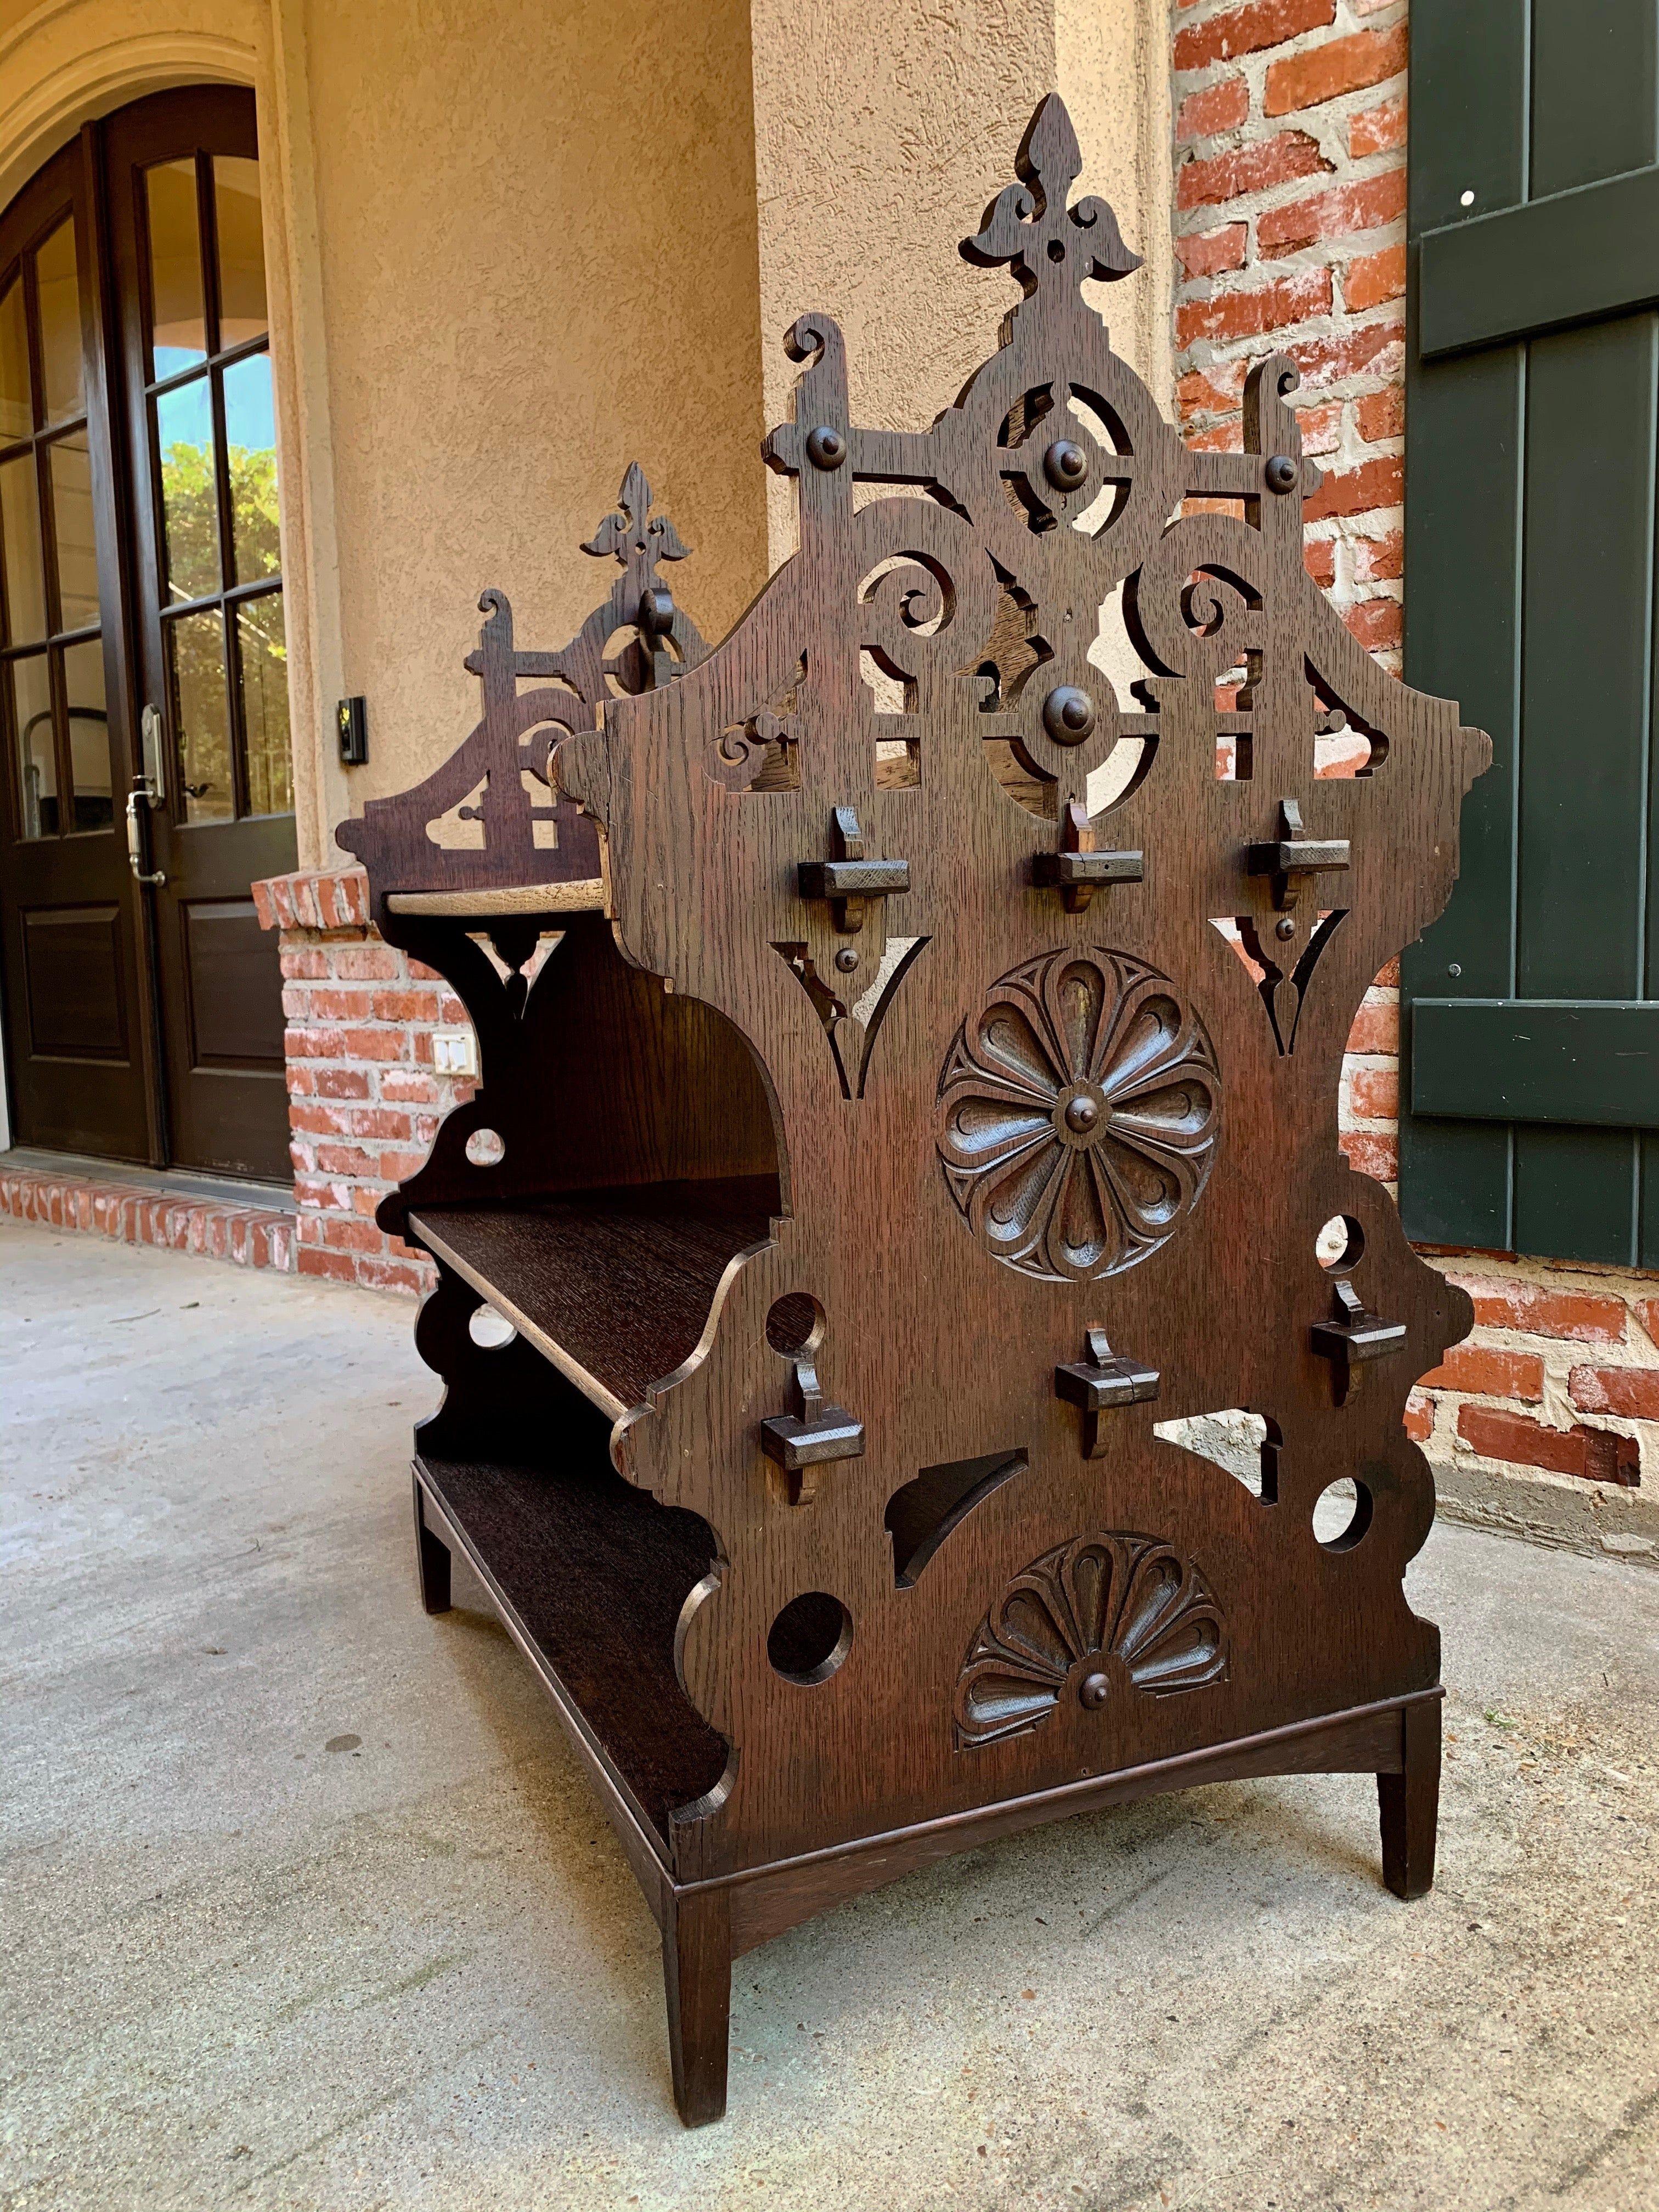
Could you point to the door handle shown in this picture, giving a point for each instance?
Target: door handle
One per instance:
(137, 841)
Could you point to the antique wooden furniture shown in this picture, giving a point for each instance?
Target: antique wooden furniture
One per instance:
(929, 1100)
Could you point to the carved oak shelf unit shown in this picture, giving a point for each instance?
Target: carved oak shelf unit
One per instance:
(910, 1034)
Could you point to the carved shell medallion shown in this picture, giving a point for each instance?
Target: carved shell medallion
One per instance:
(1096, 1618)
(1078, 1114)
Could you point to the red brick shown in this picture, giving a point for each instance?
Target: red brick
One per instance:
(1246, 30)
(405, 1005)
(375, 1044)
(1209, 253)
(1387, 976)
(397, 1167)
(402, 1086)
(1631, 1391)
(315, 1191)
(347, 1003)
(1378, 624)
(1647, 1312)
(1212, 109)
(1378, 129)
(423, 973)
(337, 1082)
(343, 1232)
(304, 962)
(1253, 168)
(1576, 1317)
(365, 963)
(1374, 278)
(1331, 359)
(1215, 391)
(1230, 315)
(317, 1121)
(1493, 1374)
(1375, 1028)
(337, 1266)
(1379, 415)
(1339, 65)
(346, 1160)
(1371, 1153)
(395, 1274)
(1374, 1094)
(1592, 1454)
(1338, 213)
(1420, 1419)
(1221, 438)
(1380, 483)
(1319, 559)
(315, 1044)
(1375, 558)
(381, 1122)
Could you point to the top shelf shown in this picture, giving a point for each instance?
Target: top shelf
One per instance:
(613, 1287)
(586, 897)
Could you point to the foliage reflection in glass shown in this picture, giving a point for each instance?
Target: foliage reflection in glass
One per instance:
(262, 646)
(201, 718)
(189, 506)
(251, 436)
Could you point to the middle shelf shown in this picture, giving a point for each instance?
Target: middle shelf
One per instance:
(613, 1287)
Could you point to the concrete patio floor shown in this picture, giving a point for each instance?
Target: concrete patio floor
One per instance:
(306, 1905)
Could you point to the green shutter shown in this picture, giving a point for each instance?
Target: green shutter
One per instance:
(1530, 1038)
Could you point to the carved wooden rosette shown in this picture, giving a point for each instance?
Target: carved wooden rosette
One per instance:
(871, 898)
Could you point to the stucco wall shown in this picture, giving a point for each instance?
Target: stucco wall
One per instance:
(536, 231)
(881, 132)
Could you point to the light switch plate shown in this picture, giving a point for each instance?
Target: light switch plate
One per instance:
(455, 1052)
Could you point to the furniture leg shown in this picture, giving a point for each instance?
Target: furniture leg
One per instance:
(696, 1965)
(431, 1561)
(1409, 1803)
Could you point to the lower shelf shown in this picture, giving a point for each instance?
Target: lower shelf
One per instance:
(613, 1287)
(596, 1572)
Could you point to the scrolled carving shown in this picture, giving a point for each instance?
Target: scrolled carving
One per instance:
(1078, 1114)
(1099, 1618)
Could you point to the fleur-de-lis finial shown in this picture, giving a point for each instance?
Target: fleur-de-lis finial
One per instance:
(633, 528)
(1029, 225)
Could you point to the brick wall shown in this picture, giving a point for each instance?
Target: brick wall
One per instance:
(364, 1103)
(1290, 198)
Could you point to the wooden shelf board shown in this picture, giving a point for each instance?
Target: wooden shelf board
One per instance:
(590, 1575)
(584, 897)
(614, 1287)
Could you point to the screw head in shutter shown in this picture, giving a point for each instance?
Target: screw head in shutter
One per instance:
(1065, 465)
(1282, 473)
(826, 448)
(1068, 714)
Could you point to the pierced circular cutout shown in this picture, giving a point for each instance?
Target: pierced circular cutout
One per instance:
(1340, 1244)
(1342, 1514)
(485, 1149)
(810, 1637)
(794, 1324)
(489, 1328)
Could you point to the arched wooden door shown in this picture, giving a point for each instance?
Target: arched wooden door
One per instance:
(143, 646)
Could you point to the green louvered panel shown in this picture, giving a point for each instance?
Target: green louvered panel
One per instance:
(1532, 411)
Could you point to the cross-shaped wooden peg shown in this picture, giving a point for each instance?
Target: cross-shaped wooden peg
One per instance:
(1294, 858)
(850, 878)
(1101, 1381)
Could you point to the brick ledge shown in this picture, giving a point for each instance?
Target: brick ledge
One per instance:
(131, 1213)
(314, 898)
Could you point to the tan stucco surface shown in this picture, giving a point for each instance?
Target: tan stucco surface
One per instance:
(881, 132)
